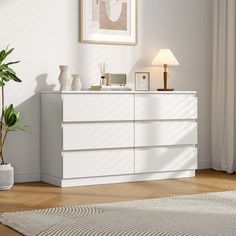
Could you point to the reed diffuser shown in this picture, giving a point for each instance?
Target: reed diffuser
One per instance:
(103, 68)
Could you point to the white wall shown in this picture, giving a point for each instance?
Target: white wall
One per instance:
(45, 34)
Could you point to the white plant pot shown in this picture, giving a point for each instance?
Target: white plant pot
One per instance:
(6, 176)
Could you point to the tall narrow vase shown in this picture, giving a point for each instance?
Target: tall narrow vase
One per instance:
(64, 78)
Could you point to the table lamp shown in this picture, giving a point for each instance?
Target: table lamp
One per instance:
(165, 58)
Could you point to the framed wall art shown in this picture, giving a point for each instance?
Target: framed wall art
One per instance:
(142, 81)
(108, 21)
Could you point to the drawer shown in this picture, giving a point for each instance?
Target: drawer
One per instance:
(98, 107)
(165, 159)
(165, 106)
(98, 163)
(165, 133)
(98, 135)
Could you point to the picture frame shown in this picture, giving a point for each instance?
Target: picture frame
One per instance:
(108, 22)
(142, 81)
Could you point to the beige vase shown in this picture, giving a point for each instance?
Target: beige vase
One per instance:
(76, 84)
(64, 78)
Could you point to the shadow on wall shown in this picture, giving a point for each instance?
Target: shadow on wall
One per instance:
(20, 146)
(42, 84)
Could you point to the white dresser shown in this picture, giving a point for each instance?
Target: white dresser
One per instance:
(92, 138)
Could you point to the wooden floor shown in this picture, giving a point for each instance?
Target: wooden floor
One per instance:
(27, 196)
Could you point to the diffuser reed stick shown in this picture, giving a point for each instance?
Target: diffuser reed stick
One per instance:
(103, 69)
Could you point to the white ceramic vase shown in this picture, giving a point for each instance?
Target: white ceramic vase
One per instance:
(76, 84)
(6, 176)
(64, 78)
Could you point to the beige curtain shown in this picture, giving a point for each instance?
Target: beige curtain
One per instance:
(223, 87)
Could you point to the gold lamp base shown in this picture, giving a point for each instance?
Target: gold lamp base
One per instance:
(165, 90)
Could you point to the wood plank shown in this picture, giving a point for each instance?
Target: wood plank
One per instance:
(28, 196)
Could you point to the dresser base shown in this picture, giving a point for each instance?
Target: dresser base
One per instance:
(116, 179)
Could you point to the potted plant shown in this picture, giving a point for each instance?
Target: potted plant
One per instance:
(9, 118)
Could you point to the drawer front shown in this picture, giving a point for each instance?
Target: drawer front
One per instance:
(165, 133)
(98, 135)
(165, 159)
(98, 107)
(165, 106)
(98, 163)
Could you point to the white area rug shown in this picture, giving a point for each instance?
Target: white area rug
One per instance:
(202, 214)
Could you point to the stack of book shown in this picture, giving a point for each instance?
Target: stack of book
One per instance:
(109, 88)
(95, 87)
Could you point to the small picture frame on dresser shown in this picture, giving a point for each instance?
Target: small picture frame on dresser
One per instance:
(142, 81)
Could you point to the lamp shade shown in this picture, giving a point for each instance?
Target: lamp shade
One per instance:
(165, 57)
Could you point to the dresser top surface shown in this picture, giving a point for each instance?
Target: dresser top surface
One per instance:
(117, 92)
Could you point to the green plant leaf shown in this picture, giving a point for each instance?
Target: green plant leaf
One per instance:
(11, 63)
(2, 83)
(12, 120)
(7, 73)
(19, 128)
(2, 53)
(2, 67)
(15, 78)
(7, 76)
(8, 69)
(7, 53)
(4, 76)
(8, 111)
(17, 116)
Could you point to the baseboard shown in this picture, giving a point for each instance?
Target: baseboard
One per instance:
(204, 165)
(34, 177)
(116, 179)
(27, 177)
